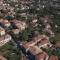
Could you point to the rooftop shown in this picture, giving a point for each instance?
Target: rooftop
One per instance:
(37, 39)
(42, 56)
(19, 24)
(53, 57)
(2, 29)
(5, 37)
(43, 41)
(16, 31)
(5, 22)
(2, 58)
(35, 50)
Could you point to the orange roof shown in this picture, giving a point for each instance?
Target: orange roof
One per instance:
(53, 57)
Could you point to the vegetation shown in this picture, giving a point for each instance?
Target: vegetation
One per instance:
(10, 52)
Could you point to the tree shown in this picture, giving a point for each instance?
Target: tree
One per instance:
(25, 35)
(9, 17)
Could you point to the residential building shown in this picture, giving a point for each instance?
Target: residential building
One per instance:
(57, 45)
(34, 22)
(23, 57)
(4, 39)
(2, 58)
(15, 31)
(34, 47)
(37, 52)
(44, 43)
(53, 57)
(2, 31)
(21, 25)
(42, 56)
(5, 22)
(40, 41)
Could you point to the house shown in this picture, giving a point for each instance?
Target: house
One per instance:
(21, 25)
(4, 39)
(5, 22)
(1, 2)
(35, 50)
(23, 14)
(42, 56)
(49, 31)
(2, 31)
(45, 19)
(40, 40)
(15, 31)
(44, 43)
(25, 1)
(57, 45)
(23, 57)
(53, 57)
(48, 26)
(2, 58)
(34, 47)
(34, 22)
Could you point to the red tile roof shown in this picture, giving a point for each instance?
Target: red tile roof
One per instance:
(35, 50)
(53, 57)
(41, 56)
(5, 37)
(20, 24)
(57, 45)
(2, 58)
(44, 41)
